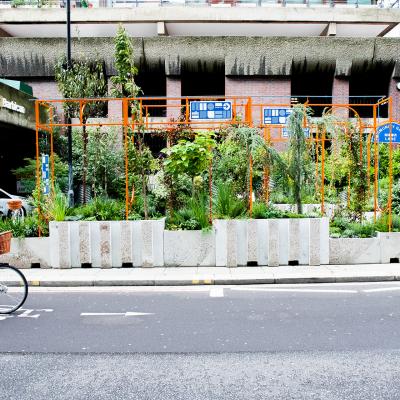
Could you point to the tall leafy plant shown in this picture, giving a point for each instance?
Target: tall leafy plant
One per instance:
(82, 79)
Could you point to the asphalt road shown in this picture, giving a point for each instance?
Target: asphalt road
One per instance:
(287, 342)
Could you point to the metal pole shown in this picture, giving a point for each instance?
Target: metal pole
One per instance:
(69, 128)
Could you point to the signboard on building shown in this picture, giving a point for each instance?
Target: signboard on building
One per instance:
(383, 132)
(45, 174)
(211, 110)
(276, 116)
(285, 132)
(11, 105)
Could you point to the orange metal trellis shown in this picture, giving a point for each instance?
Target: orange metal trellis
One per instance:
(247, 111)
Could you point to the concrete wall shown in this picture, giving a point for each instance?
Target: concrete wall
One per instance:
(272, 242)
(259, 56)
(107, 244)
(377, 250)
(27, 251)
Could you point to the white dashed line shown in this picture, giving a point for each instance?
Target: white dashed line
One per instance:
(217, 291)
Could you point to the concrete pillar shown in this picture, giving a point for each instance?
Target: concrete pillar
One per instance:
(394, 93)
(340, 95)
(174, 90)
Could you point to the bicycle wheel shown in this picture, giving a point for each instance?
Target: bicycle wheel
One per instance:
(13, 289)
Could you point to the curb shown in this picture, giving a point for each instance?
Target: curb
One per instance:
(209, 282)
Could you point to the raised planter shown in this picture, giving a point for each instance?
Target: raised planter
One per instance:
(272, 242)
(28, 252)
(189, 248)
(107, 244)
(231, 243)
(383, 249)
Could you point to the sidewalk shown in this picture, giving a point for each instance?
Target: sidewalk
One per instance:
(211, 276)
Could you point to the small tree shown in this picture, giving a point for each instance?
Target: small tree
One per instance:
(83, 79)
(299, 160)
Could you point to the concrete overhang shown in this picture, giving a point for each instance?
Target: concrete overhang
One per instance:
(202, 21)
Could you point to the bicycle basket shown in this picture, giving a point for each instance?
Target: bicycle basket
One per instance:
(5, 242)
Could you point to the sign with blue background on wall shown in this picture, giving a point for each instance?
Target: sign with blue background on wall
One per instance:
(383, 132)
(276, 116)
(211, 110)
(45, 174)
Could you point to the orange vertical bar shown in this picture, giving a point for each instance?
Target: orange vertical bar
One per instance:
(323, 172)
(38, 177)
(210, 175)
(125, 125)
(266, 173)
(187, 110)
(376, 154)
(51, 150)
(390, 165)
(250, 185)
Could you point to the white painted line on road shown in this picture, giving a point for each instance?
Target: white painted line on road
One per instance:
(295, 290)
(389, 289)
(217, 291)
(108, 314)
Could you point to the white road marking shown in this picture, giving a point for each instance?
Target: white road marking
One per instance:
(217, 291)
(108, 314)
(26, 313)
(389, 289)
(295, 290)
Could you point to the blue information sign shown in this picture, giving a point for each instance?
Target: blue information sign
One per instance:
(285, 132)
(383, 132)
(210, 110)
(45, 174)
(276, 116)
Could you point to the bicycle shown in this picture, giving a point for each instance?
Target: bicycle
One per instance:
(13, 284)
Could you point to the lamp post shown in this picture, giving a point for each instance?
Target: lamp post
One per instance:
(69, 128)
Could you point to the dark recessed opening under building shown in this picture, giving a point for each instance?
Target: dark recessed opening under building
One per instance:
(313, 83)
(152, 82)
(16, 144)
(368, 83)
(203, 80)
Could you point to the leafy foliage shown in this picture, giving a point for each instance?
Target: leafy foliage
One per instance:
(190, 157)
(226, 203)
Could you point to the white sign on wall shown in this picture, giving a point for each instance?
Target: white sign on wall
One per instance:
(11, 105)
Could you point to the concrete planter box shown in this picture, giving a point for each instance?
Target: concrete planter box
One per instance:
(107, 244)
(354, 251)
(189, 248)
(383, 249)
(26, 252)
(272, 242)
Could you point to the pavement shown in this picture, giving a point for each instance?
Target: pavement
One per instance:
(185, 276)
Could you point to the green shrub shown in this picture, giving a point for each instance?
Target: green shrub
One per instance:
(226, 204)
(100, 209)
(24, 227)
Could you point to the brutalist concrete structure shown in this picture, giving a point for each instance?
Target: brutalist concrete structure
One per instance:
(330, 51)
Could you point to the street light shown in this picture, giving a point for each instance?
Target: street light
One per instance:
(69, 128)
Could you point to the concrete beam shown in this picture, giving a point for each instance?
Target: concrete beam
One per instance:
(161, 28)
(202, 14)
(3, 33)
(387, 29)
(268, 56)
(330, 30)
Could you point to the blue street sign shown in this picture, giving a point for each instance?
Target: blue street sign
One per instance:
(383, 132)
(210, 110)
(285, 132)
(276, 116)
(45, 174)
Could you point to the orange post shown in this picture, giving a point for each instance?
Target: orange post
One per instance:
(323, 172)
(125, 126)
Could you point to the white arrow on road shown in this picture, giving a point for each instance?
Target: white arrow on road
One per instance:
(126, 314)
